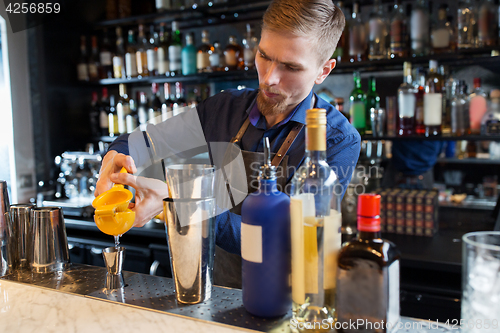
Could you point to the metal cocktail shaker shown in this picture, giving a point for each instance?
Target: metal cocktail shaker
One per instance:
(5, 231)
(22, 231)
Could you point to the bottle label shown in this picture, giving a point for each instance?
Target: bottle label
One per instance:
(93, 71)
(83, 72)
(130, 65)
(419, 25)
(331, 246)
(214, 60)
(440, 38)
(113, 124)
(162, 61)
(106, 58)
(493, 127)
(477, 108)
(103, 120)
(122, 110)
(142, 62)
(151, 55)
(433, 106)
(376, 30)
(397, 38)
(251, 242)
(117, 67)
(231, 59)
(174, 56)
(356, 40)
(393, 281)
(142, 115)
(407, 105)
(202, 60)
(358, 115)
(131, 123)
(249, 57)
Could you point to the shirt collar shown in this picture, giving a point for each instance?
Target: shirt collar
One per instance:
(298, 114)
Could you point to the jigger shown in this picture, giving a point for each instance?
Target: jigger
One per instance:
(113, 259)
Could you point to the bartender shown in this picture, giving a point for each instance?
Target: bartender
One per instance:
(298, 38)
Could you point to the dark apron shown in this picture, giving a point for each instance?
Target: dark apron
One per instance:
(227, 266)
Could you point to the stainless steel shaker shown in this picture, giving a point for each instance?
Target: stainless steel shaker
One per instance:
(50, 243)
(6, 261)
(22, 230)
(191, 240)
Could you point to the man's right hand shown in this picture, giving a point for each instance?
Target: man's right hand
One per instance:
(112, 163)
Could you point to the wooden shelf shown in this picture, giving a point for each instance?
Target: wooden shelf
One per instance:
(433, 138)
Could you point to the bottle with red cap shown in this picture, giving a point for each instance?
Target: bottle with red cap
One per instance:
(368, 274)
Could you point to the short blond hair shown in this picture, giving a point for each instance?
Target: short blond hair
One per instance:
(319, 19)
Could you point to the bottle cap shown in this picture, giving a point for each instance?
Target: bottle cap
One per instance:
(477, 82)
(315, 117)
(369, 212)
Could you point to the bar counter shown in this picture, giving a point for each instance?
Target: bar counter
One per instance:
(75, 301)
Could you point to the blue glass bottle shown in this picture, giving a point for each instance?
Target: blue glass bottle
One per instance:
(188, 57)
(265, 246)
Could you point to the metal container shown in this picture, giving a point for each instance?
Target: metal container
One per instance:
(22, 229)
(113, 259)
(50, 243)
(6, 235)
(191, 239)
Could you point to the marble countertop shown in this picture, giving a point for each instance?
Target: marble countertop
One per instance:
(25, 308)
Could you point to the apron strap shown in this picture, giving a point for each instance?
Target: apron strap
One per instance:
(242, 131)
(290, 139)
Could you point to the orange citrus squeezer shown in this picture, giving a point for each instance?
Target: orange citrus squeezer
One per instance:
(112, 215)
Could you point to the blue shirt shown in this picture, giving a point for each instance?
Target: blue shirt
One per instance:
(223, 114)
(415, 157)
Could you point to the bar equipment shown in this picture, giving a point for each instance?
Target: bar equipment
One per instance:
(190, 219)
(480, 280)
(22, 230)
(5, 230)
(113, 258)
(50, 243)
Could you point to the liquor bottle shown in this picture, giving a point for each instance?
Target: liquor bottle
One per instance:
(217, 60)
(342, 49)
(132, 119)
(82, 66)
(407, 97)
(368, 274)
(433, 101)
(315, 228)
(122, 109)
(119, 57)
(204, 53)
(174, 50)
(106, 57)
(419, 29)
(490, 124)
(179, 101)
(141, 55)
(142, 111)
(377, 32)
(188, 57)
(162, 62)
(112, 117)
(154, 110)
(357, 109)
(441, 34)
(459, 108)
(103, 113)
(487, 24)
(233, 54)
(168, 103)
(249, 48)
(449, 92)
(477, 106)
(94, 114)
(152, 51)
(372, 100)
(419, 85)
(265, 245)
(466, 24)
(94, 64)
(398, 32)
(130, 56)
(357, 36)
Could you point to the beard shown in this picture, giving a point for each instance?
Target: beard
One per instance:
(270, 107)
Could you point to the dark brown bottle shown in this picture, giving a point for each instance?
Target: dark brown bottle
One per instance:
(368, 275)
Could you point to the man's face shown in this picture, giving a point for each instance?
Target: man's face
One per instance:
(288, 67)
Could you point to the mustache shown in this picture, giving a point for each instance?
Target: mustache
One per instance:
(269, 89)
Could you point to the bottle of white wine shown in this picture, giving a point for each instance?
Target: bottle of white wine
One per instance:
(315, 229)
